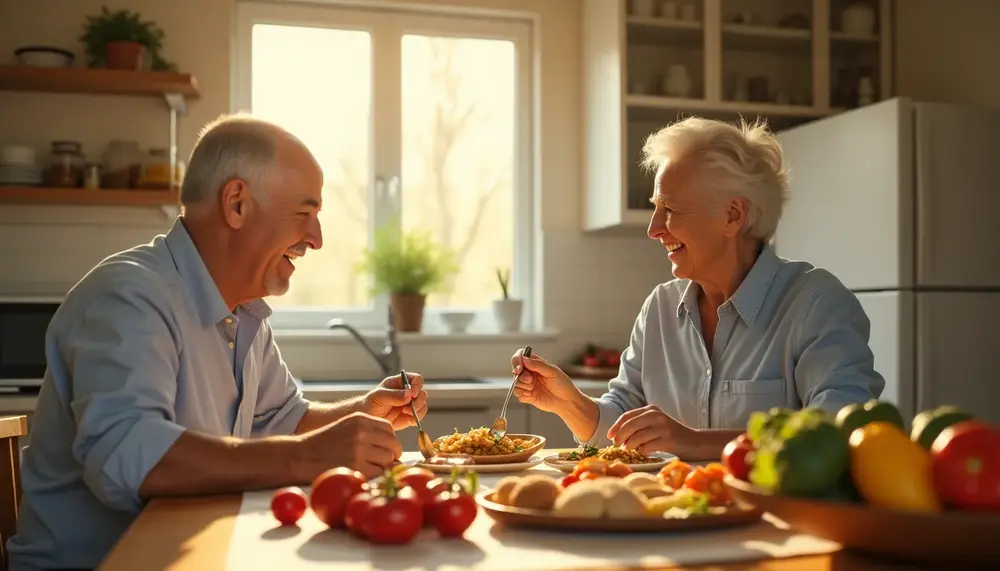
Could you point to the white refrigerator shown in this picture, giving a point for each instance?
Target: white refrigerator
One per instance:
(901, 201)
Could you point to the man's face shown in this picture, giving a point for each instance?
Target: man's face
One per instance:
(283, 224)
(686, 222)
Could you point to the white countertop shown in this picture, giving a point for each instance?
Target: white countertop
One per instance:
(485, 389)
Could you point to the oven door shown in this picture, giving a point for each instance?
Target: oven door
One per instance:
(23, 323)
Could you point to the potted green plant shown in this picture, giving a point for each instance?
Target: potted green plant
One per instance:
(121, 40)
(407, 266)
(507, 310)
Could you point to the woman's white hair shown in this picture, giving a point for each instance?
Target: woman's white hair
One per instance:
(232, 146)
(739, 160)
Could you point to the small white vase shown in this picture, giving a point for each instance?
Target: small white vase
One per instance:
(507, 313)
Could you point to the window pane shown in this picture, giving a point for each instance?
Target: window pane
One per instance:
(458, 174)
(316, 82)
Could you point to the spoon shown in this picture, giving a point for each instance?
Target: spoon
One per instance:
(424, 442)
(499, 428)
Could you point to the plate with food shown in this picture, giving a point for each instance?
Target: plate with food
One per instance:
(635, 460)
(639, 501)
(486, 453)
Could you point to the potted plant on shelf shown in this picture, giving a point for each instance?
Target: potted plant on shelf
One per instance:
(507, 310)
(407, 266)
(122, 40)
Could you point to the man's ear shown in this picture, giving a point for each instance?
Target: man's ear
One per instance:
(236, 203)
(736, 216)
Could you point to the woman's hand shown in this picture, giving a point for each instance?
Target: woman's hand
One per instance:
(543, 385)
(649, 429)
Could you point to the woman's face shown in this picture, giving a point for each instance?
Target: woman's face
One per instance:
(695, 232)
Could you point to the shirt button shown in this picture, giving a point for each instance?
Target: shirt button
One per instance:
(229, 320)
(708, 371)
(232, 345)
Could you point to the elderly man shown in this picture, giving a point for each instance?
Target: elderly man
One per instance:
(737, 330)
(163, 374)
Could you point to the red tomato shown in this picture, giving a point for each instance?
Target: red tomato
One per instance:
(734, 457)
(614, 359)
(289, 504)
(592, 361)
(356, 511)
(394, 518)
(453, 513)
(418, 479)
(330, 492)
(569, 480)
(965, 460)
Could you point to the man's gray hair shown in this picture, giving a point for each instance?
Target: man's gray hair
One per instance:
(232, 146)
(742, 160)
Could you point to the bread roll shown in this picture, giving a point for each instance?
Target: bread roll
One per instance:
(584, 500)
(536, 492)
(501, 494)
(624, 503)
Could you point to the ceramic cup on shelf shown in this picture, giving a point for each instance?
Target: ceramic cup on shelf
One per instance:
(642, 8)
(669, 10)
(676, 82)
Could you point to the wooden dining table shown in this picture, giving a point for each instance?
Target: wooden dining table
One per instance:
(194, 534)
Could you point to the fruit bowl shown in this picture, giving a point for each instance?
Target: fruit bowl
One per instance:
(949, 538)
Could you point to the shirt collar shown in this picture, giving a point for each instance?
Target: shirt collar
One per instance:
(205, 296)
(749, 297)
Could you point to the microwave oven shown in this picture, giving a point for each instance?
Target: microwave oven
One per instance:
(23, 324)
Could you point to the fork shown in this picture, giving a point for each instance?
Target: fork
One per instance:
(499, 428)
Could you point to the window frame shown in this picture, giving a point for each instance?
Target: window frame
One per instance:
(388, 24)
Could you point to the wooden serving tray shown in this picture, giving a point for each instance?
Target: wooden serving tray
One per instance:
(543, 519)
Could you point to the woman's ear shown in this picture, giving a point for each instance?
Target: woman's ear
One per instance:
(737, 210)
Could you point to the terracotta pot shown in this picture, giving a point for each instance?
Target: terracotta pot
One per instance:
(124, 55)
(408, 310)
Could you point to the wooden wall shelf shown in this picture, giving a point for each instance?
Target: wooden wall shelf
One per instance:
(88, 197)
(174, 87)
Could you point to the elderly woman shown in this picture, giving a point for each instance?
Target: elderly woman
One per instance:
(737, 330)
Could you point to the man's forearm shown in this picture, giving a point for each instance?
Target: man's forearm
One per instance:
(708, 444)
(321, 414)
(197, 464)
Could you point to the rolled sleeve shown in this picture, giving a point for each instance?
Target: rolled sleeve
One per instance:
(624, 391)
(836, 367)
(123, 361)
(280, 403)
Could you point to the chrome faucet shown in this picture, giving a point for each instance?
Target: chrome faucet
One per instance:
(388, 360)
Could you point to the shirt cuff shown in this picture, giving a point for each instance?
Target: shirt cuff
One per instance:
(287, 418)
(609, 414)
(127, 464)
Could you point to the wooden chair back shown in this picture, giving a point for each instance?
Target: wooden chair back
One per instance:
(11, 429)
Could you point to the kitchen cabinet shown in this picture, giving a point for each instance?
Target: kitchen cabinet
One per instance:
(647, 63)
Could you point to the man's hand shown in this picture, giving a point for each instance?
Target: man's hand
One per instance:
(392, 402)
(358, 441)
(649, 429)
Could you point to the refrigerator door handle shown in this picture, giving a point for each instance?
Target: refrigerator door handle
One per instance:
(924, 229)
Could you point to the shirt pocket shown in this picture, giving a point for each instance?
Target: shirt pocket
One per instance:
(740, 398)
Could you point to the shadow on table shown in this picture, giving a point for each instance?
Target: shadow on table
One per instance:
(427, 549)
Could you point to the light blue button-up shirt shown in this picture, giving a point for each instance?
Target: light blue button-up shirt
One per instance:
(791, 336)
(142, 349)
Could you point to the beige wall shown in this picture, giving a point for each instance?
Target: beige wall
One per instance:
(593, 287)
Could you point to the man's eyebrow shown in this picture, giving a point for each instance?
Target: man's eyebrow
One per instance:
(310, 202)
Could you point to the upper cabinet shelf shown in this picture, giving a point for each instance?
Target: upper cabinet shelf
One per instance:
(648, 63)
(175, 88)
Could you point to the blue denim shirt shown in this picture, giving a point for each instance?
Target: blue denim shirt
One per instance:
(142, 349)
(792, 336)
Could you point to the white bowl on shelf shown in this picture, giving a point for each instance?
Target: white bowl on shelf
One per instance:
(457, 322)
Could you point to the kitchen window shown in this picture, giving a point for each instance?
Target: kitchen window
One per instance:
(419, 119)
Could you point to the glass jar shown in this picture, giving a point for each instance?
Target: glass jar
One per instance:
(120, 164)
(155, 170)
(65, 168)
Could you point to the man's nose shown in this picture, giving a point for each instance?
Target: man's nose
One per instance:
(315, 235)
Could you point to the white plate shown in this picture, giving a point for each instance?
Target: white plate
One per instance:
(482, 468)
(567, 466)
